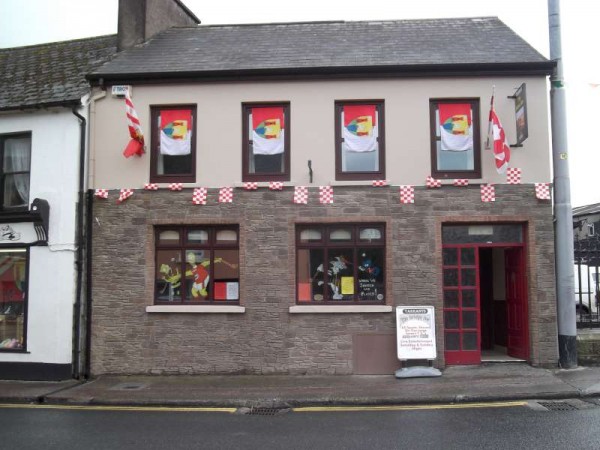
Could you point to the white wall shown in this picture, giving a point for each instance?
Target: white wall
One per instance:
(54, 173)
(219, 135)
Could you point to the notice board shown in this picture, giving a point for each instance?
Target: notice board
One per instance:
(415, 332)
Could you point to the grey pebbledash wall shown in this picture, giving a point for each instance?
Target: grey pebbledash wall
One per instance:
(267, 338)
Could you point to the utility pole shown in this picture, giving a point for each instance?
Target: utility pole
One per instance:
(563, 214)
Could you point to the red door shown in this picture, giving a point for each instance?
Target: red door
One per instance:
(516, 304)
(462, 331)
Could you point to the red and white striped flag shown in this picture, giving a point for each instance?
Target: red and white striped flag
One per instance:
(136, 144)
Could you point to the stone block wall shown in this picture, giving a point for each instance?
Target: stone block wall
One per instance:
(267, 338)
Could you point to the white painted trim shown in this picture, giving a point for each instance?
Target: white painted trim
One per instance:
(203, 309)
(328, 309)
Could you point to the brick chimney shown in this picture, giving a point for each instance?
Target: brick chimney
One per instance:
(139, 20)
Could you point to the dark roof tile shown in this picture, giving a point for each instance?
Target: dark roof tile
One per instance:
(50, 74)
(289, 46)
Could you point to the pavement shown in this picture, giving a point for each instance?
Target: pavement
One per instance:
(486, 382)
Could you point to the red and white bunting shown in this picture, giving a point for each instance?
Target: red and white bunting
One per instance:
(124, 195)
(407, 194)
(276, 186)
(101, 193)
(513, 175)
(542, 191)
(380, 183)
(199, 196)
(226, 195)
(431, 182)
(326, 195)
(250, 186)
(461, 182)
(301, 195)
(488, 193)
(151, 187)
(176, 186)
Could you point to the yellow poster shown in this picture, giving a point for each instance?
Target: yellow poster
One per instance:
(347, 285)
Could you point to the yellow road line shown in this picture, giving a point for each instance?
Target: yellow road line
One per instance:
(409, 407)
(119, 408)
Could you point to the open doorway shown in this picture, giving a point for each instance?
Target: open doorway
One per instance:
(503, 304)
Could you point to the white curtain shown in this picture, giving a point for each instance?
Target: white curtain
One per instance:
(17, 158)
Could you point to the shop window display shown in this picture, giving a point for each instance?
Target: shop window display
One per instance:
(197, 265)
(340, 264)
(13, 298)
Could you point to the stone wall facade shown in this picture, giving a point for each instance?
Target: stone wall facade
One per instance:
(267, 338)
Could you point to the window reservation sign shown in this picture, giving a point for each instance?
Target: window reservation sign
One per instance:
(415, 332)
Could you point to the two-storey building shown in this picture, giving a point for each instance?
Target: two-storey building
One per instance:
(282, 210)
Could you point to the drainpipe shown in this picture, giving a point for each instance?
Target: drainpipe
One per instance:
(77, 322)
(563, 213)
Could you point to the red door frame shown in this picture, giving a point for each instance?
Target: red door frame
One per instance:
(463, 356)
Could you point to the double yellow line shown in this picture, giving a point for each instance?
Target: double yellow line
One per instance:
(300, 409)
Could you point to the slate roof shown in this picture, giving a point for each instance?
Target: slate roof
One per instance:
(586, 210)
(50, 74)
(288, 48)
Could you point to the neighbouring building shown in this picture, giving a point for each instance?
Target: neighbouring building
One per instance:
(302, 180)
(43, 126)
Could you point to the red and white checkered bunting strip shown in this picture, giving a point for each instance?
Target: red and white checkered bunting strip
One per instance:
(251, 186)
(101, 193)
(124, 195)
(407, 194)
(380, 183)
(325, 195)
(176, 186)
(199, 196)
(226, 195)
(542, 191)
(151, 187)
(461, 182)
(276, 186)
(488, 193)
(431, 182)
(301, 195)
(513, 175)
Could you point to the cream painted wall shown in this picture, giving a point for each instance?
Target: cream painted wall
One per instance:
(219, 160)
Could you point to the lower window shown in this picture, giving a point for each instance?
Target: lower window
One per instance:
(340, 263)
(13, 298)
(197, 264)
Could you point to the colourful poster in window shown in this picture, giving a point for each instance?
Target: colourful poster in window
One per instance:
(304, 292)
(359, 127)
(176, 132)
(456, 127)
(347, 285)
(268, 130)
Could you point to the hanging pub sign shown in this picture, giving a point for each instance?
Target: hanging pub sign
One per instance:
(521, 114)
(415, 332)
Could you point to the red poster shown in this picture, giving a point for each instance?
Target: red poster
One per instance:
(220, 291)
(267, 114)
(353, 112)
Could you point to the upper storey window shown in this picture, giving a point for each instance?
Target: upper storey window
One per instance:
(173, 147)
(266, 141)
(455, 138)
(359, 139)
(15, 155)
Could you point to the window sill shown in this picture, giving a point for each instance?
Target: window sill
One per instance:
(335, 309)
(196, 309)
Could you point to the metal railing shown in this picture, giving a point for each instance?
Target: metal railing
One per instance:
(587, 279)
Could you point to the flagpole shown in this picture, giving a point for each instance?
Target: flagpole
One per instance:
(487, 141)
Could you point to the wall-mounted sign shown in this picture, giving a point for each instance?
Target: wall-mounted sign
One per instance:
(121, 91)
(521, 114)
(26, 227)
(415, 332)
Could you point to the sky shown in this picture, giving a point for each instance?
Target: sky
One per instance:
(28, 22)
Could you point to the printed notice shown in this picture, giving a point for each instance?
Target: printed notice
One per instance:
(415, 332)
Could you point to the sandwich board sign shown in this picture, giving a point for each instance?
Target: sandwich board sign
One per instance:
(415, 333)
